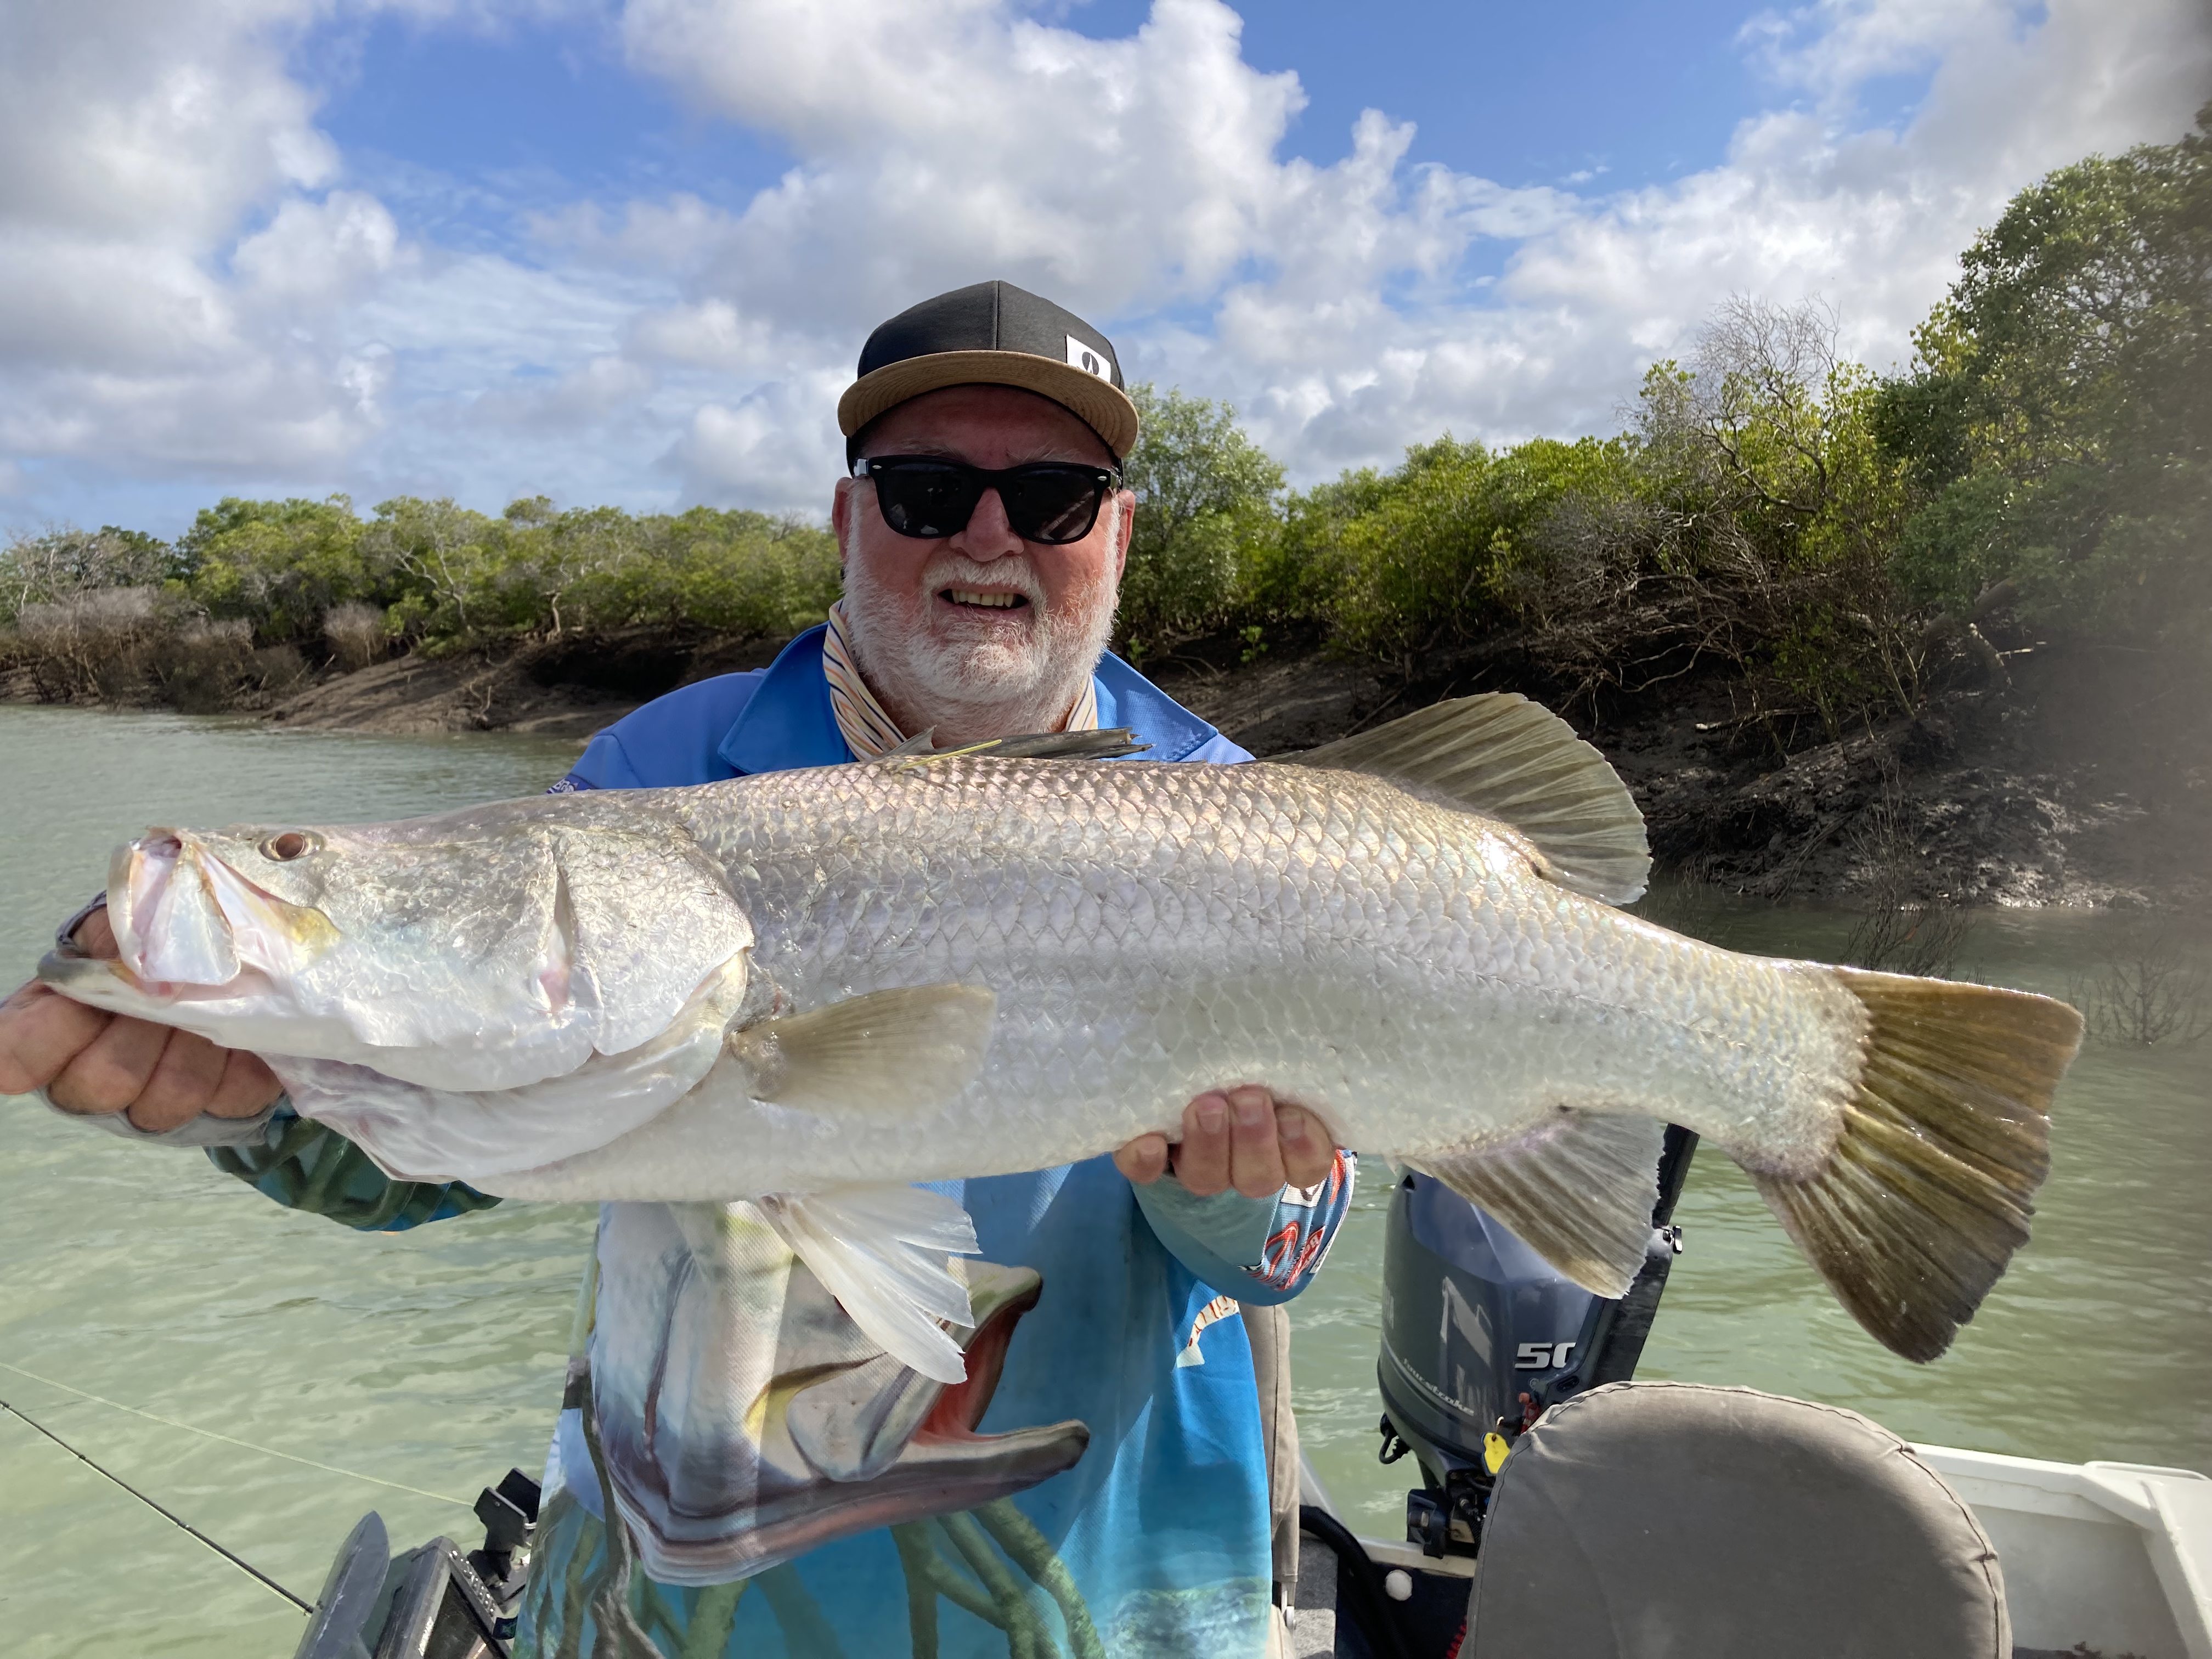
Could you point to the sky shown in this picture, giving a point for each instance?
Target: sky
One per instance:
(626, 250)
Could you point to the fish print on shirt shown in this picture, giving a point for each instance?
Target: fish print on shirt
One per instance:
(1296, 1251)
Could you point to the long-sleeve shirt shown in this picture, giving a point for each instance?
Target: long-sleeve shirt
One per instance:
(1157, 1538)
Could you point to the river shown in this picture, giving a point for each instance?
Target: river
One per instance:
(268, 1377)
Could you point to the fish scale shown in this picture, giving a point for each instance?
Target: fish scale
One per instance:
(806, 990)
(1298, 918)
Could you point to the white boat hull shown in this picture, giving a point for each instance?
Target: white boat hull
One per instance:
(2114, 1557)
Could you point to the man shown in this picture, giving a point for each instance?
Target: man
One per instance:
(984, 531)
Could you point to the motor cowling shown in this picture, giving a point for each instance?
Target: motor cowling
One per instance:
(1481, 1335)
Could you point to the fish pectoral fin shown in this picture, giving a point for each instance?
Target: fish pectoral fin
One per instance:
(1504, 757)
(881, 1251)
(1578, 1189)
(885, 1052)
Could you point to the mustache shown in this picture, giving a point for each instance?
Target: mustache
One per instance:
(950, 569)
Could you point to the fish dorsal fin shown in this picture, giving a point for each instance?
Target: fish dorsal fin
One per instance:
(1108, 743)
(1507, 758)
(1578, 1189)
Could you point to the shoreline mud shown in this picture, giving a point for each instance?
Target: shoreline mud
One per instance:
(2075, 782)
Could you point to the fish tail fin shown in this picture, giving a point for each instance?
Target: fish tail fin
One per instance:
(1926, 1193)
(881, 1251)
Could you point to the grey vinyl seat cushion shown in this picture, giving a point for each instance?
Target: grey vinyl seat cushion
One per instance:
(1673, 1521)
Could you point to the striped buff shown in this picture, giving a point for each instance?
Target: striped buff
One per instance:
(867, 729)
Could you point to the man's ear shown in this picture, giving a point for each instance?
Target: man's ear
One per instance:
(841, 514)
(1125, 528)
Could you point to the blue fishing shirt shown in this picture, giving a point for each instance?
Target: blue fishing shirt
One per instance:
(1157, 1541)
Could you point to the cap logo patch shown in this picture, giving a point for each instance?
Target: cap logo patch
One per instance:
(1088, 358)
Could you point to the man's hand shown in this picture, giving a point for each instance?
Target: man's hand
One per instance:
(1235, 1137)
(92, 1062)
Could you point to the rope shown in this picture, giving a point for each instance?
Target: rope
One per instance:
(228, 1440)
(242, 1564)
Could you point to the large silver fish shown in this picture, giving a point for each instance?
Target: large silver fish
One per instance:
(808, 988)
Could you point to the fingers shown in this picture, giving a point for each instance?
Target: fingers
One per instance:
(1256, 1159)
(41, 1031)
(248, 1086)
(1235, 1137)
(1143, 1160)
(1308, 1153)
(1229, 1139)
(162, 1078)
(1201, 1161)
(113, 1068)
(183, 1080)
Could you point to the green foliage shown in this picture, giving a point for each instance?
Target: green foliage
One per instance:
(2056, 425)
(1442, 547)
(1207, 518)
(734, 572)
(277, 565)
(446, 577)
(1773, 508)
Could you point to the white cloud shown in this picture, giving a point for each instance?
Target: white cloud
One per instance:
(137, 140)
(191, 286)
(1831, 46)
(319, 252)
(1138, 179)
(782, 431)
(180, 277)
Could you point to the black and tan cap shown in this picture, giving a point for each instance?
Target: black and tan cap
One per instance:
(993, 334)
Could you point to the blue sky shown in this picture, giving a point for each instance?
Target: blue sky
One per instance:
(626, 250)
(1632, 93)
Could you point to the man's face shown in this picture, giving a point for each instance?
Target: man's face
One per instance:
(979, 634)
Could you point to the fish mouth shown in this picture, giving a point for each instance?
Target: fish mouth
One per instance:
(944, 1465)
(960, 1408)
(187, 922)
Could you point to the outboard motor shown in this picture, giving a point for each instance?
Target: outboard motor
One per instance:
(1480, 1336)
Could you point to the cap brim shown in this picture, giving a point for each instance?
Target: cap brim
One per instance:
(1099, 404)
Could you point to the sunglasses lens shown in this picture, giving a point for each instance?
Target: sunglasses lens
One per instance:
(1053, 505)
(1046, 503)
(925, 501)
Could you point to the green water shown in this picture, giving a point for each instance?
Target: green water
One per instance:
(433, 1359)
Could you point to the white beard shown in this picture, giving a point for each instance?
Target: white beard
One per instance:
(988, 681)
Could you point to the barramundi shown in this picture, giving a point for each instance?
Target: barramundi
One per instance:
(807, 990)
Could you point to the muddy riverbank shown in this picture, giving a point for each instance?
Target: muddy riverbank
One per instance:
(2075, 779)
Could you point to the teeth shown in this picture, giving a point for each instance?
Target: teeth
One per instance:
(995, 601)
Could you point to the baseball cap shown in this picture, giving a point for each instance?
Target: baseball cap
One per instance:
(994, 334)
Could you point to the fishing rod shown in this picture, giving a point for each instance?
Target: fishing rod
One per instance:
(182, 1525)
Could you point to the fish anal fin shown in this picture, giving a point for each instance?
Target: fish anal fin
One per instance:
(1504, 757)
(886, 1051)
(1928, 1190)
(1578, 1189)
(883, 1253)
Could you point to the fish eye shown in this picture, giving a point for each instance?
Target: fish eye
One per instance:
(291, 844)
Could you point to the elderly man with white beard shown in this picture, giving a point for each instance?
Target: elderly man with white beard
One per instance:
(984, 528)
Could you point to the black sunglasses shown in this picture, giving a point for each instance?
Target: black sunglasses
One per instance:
(1053, 502)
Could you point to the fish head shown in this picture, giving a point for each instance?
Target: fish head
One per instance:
(483, 949)
(745, 1419)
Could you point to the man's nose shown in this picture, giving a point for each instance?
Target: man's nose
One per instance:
(988, 535)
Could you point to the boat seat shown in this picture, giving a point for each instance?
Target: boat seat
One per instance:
(1675, 1520)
